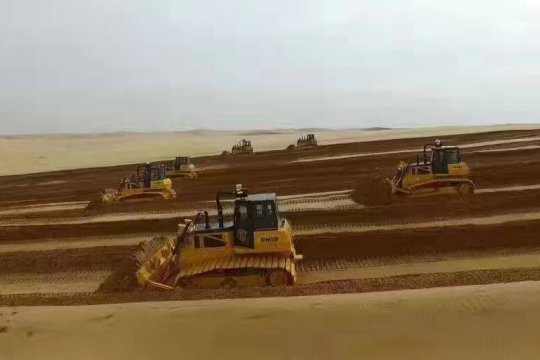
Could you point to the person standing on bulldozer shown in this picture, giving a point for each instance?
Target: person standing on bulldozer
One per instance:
(147, 176)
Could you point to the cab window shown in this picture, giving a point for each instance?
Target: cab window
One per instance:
(241, 213)
(452, 156)
(212, 241)
(265, 215)
(209, 241)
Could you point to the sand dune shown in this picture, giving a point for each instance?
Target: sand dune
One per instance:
(30, 154)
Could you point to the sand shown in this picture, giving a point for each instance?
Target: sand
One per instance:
(499, 321)
(31, 154)
(362, 228)
(520, 261)
(69, 282)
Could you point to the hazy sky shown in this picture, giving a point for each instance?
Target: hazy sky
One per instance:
(110, 65)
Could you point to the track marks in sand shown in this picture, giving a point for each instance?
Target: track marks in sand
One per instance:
(78, 243)
(65, 282)
(363, 228)
(422, 267)
(41, 208)
(407, 151)
(311, 203)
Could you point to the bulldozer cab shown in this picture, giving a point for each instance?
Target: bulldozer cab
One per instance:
(441, 157)
(148, 173)
(181, 161)
(243, 144)
(254, 213)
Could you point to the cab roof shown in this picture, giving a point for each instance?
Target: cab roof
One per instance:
(445, 147)
(262, 197)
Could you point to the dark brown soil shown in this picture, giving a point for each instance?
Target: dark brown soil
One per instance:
(267, 171)
(84, 259)
(273, 172)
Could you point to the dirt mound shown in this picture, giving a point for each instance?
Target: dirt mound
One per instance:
(373, 192)
(96, 203)
(122, 279)
(290, 147)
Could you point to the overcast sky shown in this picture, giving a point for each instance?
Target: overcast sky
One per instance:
(69, 66)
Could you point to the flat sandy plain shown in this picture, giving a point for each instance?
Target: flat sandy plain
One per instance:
(388, 282)
(40, 153)
(500, 321)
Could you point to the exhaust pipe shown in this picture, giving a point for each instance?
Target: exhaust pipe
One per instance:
(220, 211)
(206, 220)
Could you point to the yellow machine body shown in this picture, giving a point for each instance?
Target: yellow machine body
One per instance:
(156, 186)
(180, 167)
(233, 255)
(243, 147)
(444, 172)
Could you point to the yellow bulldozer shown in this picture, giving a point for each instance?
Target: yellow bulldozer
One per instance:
(255, 249)
(306, 142)
(243, 147)
(440, 171)
(148, 183)
(181, 166)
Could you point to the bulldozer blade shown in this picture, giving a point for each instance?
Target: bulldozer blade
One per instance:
(158, 260)
(160, 285)
(153, 259)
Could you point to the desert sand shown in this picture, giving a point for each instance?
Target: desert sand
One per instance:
(40, 153)
(475, 322)
(53, 252)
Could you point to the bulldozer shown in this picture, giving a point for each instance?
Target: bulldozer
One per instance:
(307, 141)
(440, 171)
(148, 183)
(181, 166)
(255, 249)
(243, 147)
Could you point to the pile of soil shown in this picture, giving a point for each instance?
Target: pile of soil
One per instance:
(121, 279)
(372, 192)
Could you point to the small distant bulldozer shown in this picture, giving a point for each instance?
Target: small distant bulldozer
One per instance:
(243, 147)
(181, 166)
(307, 141)
(441, 170)
(148, 183)
(255, 249)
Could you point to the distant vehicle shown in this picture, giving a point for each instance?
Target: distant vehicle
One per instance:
(148, 183)
(256, 249)
(181, 166)
(441, 171)
(243, 147)
(307, 141)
